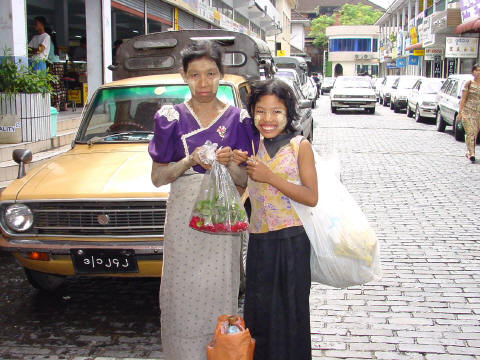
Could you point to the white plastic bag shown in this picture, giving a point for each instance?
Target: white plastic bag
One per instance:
(344, 248)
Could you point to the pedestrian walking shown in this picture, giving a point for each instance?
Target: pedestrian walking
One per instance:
(201, 271)
(469, 111)
(278, 260)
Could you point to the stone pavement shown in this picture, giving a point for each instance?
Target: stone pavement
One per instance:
(421, 196)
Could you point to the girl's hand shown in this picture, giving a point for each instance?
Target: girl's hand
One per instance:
(239, 156)
(224, 155)
(258, 171)
(197, 161)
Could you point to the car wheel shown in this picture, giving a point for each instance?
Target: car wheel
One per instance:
(371, 110)
(458, 130)
(409, 111)
(391, 104)
(441, 124)
(396, 109)
(314, 104)
(310, 136)
(380, 101)
(334, 109)
(43, 281)
(321, 92)
(418, 118)
(385, 103)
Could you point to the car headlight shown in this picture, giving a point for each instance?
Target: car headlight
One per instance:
(19, 217)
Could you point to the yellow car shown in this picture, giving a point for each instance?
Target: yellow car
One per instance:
(93, 211)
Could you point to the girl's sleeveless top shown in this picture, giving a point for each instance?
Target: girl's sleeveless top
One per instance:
(271, 209)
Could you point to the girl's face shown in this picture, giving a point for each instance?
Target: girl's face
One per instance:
(270, 116)
(476, 73)
(202, 77)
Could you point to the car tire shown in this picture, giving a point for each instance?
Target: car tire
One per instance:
(458, 133)
(392, 104)
(396, 109)
(440, 123)
(310, 136)
(314, 104)
(371, 110)
(409, 111)
(334, 109)
(418, 118)
(380, 101)
(321, 92)
(43, 281)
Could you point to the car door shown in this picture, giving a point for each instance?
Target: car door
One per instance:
(413, 98)
(442, 96)
(451, 102)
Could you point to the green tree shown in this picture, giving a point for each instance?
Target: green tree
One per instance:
(349, 14)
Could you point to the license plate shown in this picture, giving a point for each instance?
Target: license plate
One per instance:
(104, 261)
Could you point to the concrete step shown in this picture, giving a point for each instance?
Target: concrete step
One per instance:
(63, 137)
(9, 169)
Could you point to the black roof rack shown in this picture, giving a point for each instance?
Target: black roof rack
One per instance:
(159, 53)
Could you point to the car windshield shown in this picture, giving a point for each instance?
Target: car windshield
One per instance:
(125, 114)
(431, 87)
(390, 81)
(406, 83)
(353, 83)
(285, 74)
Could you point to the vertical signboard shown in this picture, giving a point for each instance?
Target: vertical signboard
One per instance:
(451, 67)
(437, 67)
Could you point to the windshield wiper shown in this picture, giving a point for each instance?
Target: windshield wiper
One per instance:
(96, 139)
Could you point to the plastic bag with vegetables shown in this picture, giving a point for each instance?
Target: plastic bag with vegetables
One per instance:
(218, 208)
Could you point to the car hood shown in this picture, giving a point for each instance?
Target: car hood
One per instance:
(403, 92)
(427, 98)
(353, 91)
(101, 171)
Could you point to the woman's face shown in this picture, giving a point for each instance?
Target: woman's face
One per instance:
(270, 116)
(203, 77)
(476, 72)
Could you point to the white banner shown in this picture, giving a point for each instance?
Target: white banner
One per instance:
(456, 47)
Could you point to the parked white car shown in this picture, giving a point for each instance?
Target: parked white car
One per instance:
(386, 89)
(327, 85)
(351, 92)
(422, 99)
(311, 91)
(448, 101)
(400, 90)
(377, 85)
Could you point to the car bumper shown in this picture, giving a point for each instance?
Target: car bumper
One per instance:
(149, 255)
(428, 112)
(353, 103)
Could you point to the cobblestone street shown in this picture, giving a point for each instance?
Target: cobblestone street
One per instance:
(418, 191)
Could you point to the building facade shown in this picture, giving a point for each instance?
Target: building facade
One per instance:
(433, 38)
(353, 50)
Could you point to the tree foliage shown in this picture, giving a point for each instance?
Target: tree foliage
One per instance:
(349, 14)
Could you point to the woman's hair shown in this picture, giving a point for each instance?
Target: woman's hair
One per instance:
(475, 67)
(41, 20)
(281, 90)
(202, 49)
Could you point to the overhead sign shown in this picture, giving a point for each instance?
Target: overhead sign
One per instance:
(400, 63)
(461, 47)
(419, 52)
(470, 10)
(412, 60)
(430, 53)
(413, 36)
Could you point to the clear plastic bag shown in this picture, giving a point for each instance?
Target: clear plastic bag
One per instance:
(344, 247)
(218, 208)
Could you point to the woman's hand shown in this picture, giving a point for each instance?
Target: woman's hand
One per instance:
(239, 156)
(258, 171)
(224, 155)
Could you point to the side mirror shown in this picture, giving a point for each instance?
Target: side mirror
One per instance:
(305, 104)
(22, 157)
(112, 67)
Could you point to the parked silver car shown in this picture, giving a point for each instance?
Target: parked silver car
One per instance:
(386, 89)
(400, 90)
(422, 99)
(448, 101)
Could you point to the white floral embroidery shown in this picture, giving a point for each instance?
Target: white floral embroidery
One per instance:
(169, 112)
(243, 114)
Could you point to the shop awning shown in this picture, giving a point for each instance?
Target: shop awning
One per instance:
(473, 25)
(414, 46)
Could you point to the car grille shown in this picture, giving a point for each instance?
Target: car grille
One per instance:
(115, 218)
(355, 96)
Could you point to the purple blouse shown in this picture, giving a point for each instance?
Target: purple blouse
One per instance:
(177, 133)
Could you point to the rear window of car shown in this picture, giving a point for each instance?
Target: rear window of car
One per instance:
(285, 74)
(131, 109)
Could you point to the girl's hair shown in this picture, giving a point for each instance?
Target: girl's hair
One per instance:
(202, 49)
(475, 67)
(282, 91)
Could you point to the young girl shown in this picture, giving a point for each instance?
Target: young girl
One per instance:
(278, 260)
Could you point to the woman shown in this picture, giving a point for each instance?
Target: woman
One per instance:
(201, 272)
(469, 110)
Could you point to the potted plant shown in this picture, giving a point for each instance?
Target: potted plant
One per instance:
(26, 93)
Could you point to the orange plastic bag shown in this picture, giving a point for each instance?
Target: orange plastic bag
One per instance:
(237, 346)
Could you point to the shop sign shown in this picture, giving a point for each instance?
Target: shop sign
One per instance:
(391, 65)
(451, 67)
(470, 10)
(426, 35)
(431, 53)
(461, 47)
(437, 68)
(413, 36)
(419, 52)
(280, 52)
(400, 63)
(412, 60)
(400, 43)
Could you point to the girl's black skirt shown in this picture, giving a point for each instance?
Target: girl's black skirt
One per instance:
(277, 294)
